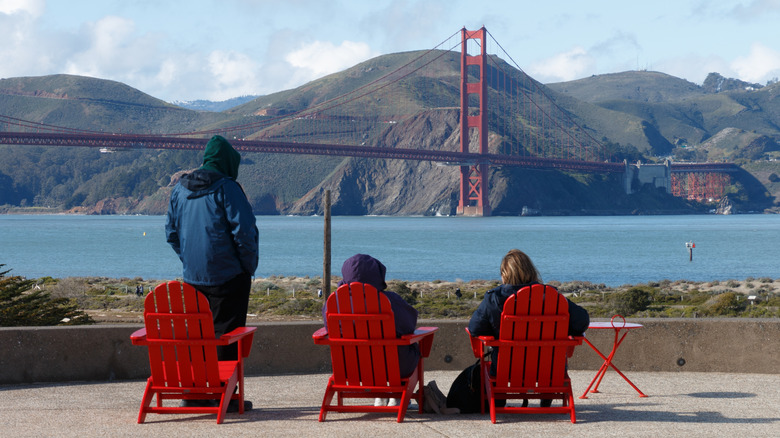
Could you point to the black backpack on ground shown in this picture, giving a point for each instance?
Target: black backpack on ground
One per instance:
(464, 392)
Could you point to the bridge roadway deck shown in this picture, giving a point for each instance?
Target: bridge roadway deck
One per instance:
(690, 404)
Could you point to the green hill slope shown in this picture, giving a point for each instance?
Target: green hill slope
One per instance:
(650, 113)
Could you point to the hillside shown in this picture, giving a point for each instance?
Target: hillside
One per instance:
(95, 104)
(688, 115)
(641, 115)
(722, 120)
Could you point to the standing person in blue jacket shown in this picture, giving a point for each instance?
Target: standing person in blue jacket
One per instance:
(517, 271)
(211, 226)
(363, 268)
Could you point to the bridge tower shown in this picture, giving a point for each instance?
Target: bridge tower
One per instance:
(474, 183)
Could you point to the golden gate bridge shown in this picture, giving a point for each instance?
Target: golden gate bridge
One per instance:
(504, 118)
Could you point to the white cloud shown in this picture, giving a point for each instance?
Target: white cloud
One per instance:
(232, 74)
(565, 66)
(32, 7)
(694, 67)
(111, 49)
(760, 65)
(322, 57)
(19, 38)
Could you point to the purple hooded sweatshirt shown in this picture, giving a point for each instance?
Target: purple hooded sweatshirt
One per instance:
(366, 269)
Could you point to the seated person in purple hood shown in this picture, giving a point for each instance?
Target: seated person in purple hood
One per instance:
(366, 269)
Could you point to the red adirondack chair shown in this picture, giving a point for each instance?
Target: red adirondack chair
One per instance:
(179, 332)
(533, 346)
(364, 352)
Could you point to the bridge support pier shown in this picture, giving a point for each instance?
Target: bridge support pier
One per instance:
(657, 175)
(474, 179)
(473, 195)
(701, 186)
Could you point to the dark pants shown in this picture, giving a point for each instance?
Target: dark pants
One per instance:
(229, 303)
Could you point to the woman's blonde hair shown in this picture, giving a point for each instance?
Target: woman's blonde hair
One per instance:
(517, 268)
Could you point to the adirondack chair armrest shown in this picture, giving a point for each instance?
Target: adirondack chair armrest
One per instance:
(237, 334)
(320, 336)
(242, 335)
(478, 343)
(138, 337)
(423, 335)
(578, 339)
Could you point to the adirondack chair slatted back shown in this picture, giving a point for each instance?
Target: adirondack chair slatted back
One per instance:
(358, 312)
(175, 311)
(536, 314)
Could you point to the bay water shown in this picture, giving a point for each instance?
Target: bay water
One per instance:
(613, 250)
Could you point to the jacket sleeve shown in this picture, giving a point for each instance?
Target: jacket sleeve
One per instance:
(405, 315)
(578, 319)
(482, 320)
(171, 230)
(243, 227)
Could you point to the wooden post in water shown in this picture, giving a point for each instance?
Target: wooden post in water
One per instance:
(326, 249)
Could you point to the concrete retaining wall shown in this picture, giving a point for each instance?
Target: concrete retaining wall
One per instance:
(102, 353)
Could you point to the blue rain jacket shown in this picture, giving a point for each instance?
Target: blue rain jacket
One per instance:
(211, 226)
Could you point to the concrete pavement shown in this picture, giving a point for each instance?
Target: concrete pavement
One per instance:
(690, 404)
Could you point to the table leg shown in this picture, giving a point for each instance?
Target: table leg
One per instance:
(605, 366)
(600, 372)
(608, 361)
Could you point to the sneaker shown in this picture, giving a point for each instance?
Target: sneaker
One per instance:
(397, 401)
(380, 402)
(233, 406)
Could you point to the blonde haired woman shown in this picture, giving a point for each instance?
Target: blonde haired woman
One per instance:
(517, 271)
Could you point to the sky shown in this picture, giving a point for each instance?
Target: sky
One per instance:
(180, 50)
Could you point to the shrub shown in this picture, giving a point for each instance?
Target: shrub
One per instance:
(695, 298)
(265, 300)
(773, 301)
(265, 286)
(727, 304)
(598, 311)
(307, 306)
(403, 289)
(21, 306)
(631, 301)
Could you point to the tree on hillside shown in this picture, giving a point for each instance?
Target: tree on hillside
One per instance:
(20, 305)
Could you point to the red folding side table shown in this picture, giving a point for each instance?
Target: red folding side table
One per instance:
(608, 359)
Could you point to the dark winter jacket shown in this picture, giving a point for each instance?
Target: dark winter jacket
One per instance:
(210, 223)
(486, 320)
(363, 268)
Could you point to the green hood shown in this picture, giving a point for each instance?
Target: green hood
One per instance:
(221, 157)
